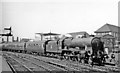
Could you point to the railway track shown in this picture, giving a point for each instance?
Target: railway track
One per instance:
(65, 65)
(44, 64)
(98, 68)
(62, 64)
(55, 65)
(16, 66)
(35, 65)
(84, 67)
(53, 62)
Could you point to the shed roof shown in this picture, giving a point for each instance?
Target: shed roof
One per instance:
(108, 28)
(47, 34)
(79, 33)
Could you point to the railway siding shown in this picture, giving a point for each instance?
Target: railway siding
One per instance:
(17, 67)
(31, 62)
(68, 65)
(28, 65)
(46, 64)
(79, 66)
(5, 66)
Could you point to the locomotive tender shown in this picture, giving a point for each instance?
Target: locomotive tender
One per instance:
(67, 47)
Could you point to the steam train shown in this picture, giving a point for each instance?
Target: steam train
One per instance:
(79, 49)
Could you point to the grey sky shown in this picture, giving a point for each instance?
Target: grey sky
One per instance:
(60, 16)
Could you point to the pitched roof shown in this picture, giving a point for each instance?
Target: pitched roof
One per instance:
(108, 28)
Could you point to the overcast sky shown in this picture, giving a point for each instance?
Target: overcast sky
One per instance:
(28, 17)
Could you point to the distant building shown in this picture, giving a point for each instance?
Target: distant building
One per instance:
(109, 29)
(46, 36)
(79, 34)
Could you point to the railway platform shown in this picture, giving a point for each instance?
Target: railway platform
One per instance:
(5, 67)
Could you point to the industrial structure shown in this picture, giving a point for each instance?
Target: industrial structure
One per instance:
(46, 36)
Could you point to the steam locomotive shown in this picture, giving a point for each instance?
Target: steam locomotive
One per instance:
(79, 49)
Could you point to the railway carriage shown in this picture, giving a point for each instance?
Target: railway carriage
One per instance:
(52, 48)
(14, 46)
(35, 47)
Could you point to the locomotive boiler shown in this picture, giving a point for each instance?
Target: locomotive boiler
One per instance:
(78, 42)
(92, 44)
(14, 46)
(35, 47)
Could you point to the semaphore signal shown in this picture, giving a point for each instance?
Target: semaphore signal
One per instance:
(8, 34)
